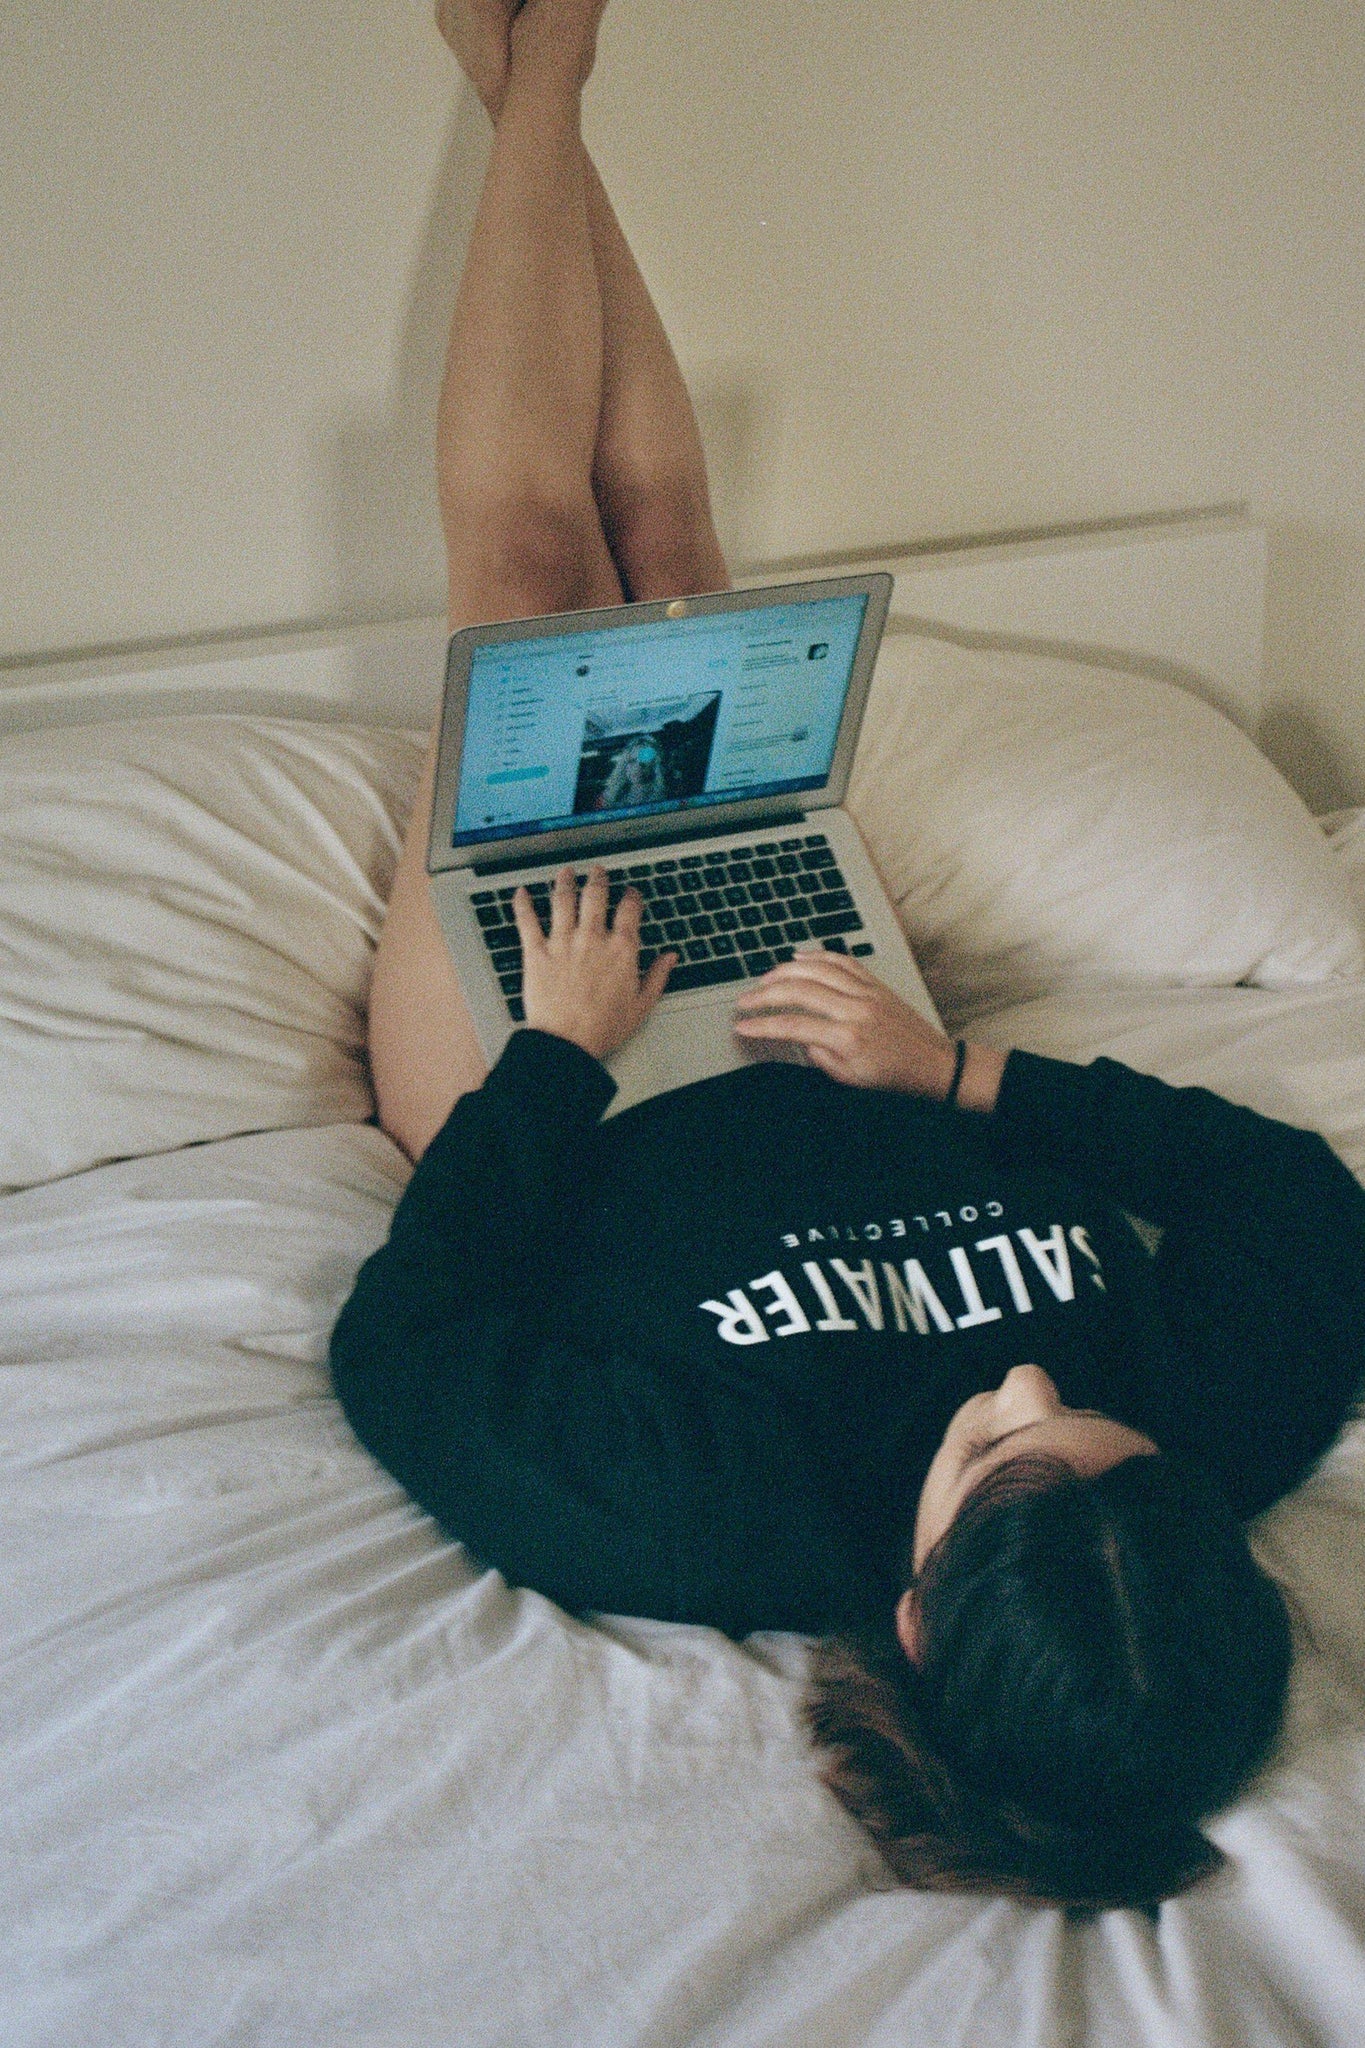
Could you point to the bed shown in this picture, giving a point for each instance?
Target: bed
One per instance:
(281, 1764)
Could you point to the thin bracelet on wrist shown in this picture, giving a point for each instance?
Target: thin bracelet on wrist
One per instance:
(950, 1098)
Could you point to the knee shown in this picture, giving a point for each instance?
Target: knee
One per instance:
(519, 556)
(661, 533)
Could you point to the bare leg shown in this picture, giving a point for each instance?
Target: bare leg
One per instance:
(519, 410)
(517, 427)
(649, 472)
(544, 417)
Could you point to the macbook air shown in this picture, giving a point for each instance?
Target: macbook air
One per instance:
(700, 750)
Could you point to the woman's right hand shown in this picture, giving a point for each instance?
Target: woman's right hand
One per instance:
(583, 981)
(860, 1032)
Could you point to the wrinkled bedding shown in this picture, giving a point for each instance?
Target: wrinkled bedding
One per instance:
(281, 1765)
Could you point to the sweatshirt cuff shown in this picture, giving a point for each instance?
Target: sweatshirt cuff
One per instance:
(541, 1074)
(1041, 1109)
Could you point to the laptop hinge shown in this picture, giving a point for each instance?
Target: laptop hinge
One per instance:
(778, 822)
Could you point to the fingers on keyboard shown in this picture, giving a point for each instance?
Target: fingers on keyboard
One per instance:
(730, 914)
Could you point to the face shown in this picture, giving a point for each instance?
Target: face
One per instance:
(1025, 1414)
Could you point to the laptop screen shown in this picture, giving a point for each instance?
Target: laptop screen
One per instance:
(664, 716)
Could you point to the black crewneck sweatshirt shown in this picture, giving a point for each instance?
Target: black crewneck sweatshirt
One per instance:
(693, 1361)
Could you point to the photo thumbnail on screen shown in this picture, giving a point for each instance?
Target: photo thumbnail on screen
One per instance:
(640, 753)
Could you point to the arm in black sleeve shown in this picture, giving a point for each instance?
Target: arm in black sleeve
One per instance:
(604, 1480)
(501, 1168)
(440, 1358)
(1262, 1266)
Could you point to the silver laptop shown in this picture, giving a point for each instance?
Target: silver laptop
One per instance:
(699, 749)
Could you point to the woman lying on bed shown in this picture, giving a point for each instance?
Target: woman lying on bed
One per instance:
(866, 1348)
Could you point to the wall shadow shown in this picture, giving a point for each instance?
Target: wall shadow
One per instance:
(1309, 595)
(381, 553)
(739, 419)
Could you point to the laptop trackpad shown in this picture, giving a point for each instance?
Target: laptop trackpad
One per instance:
(680, 1044)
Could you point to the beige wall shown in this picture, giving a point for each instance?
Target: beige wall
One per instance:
(930, 267)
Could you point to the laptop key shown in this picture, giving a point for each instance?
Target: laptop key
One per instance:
(703, 974)
(696, 949)
(710, 899)
(771, 935)
(832, 899)
(817, 857)
(516, 1009)
(748, 942)
(686, 905)
(759, 963)
(836, 921)
(723, 943)
(751, 913)
(702, 926)
(760, 892)
(764, 870)
(862, 950)
(727, 921)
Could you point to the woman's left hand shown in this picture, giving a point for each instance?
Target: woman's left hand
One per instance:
(848, 1023)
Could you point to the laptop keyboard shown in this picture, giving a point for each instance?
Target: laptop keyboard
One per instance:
(729, 915)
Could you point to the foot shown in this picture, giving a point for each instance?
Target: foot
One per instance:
(479, 32)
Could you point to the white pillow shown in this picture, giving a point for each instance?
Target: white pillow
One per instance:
(1041, 821)
(188, 911)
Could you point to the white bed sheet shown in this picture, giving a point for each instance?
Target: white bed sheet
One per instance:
(281, 1767)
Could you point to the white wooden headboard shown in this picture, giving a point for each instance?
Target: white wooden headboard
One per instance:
(1180, 598)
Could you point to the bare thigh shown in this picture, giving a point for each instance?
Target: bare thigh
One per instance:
(424, 1052)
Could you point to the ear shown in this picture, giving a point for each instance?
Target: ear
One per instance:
(907, 1624)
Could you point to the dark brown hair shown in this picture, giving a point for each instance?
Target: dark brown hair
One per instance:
(1102, 1663)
